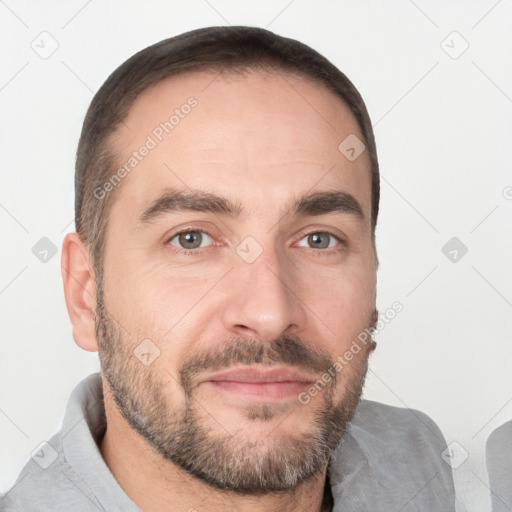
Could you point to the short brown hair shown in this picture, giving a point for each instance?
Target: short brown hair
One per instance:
(206, 49)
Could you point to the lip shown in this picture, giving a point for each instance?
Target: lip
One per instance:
(260, 384)
(261, 375)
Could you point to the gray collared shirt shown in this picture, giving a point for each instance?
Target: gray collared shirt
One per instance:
(498, 454)
(389, 460)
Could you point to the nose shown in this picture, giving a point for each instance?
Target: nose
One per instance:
(262, 300)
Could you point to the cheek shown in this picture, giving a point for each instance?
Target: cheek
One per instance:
(343, 299)
(170, 299)
(171, 311)
(144, 293)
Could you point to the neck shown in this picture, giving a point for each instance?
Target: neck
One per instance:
(153, 482)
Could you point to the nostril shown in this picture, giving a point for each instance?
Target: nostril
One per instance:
(242, 327)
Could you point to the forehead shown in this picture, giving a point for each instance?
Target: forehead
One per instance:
(254, 137)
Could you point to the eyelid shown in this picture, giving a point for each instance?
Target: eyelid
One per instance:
(341, 241)
(202, 231)
(187, 229)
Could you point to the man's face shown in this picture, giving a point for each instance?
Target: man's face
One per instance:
(240, 241)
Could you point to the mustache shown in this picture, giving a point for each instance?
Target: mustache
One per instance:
(288, 350)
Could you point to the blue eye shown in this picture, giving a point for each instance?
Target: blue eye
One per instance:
(319, 240)
(191, 239)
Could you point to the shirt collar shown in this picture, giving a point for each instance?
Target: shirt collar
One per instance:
(83, 428)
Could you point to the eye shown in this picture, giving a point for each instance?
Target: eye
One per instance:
(191, 239)
(319, 240)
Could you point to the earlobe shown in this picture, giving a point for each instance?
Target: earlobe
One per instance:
(79, 291)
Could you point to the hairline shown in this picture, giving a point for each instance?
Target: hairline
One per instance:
(209, 70)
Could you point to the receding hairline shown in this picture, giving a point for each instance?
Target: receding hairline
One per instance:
(114, 144)
(212, 73)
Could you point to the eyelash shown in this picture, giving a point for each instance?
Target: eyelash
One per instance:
(189, 252)
(192, 252)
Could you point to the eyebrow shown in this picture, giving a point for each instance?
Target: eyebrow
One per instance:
(176, 201)
(318, 203)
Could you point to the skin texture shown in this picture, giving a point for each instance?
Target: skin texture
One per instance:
(261, 140)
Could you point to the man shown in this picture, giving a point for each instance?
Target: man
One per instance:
(224, 267)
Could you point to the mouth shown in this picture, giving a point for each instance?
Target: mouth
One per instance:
(261, 384)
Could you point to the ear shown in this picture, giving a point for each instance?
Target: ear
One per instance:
(79, 290)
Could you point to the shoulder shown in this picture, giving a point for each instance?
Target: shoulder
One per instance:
(392, 457)
(48, 483)
(498, 454)
(396, 425)
(500, 437)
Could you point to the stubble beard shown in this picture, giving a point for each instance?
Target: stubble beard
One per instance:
(227, 461)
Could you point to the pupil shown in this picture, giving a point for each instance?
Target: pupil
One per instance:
(319, 240)
(190, 240)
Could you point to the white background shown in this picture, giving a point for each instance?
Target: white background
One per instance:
(443, 134)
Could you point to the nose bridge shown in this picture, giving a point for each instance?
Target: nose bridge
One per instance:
(261, 302)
